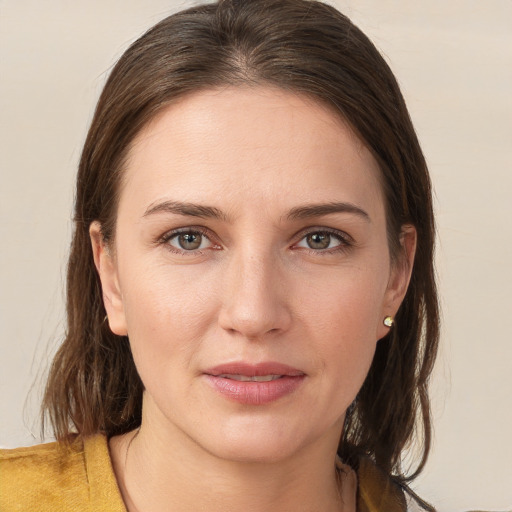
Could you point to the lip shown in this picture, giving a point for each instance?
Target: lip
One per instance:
(251, 392)
(254, 370)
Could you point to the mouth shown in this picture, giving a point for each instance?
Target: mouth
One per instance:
(269, 370)
(246, 378)
(257, 384)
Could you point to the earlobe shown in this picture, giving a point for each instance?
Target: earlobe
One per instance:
(399, 278)
(106, 267)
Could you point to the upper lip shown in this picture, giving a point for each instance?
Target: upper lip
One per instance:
(254, 370)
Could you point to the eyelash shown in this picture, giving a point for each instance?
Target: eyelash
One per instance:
(167, 237)
(346, 241)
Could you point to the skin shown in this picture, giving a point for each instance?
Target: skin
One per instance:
(255, 290)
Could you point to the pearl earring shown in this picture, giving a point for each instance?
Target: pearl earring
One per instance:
(389, 321)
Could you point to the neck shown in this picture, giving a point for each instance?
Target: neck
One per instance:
(157, 473)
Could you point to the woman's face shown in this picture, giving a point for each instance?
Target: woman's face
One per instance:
(250, 271)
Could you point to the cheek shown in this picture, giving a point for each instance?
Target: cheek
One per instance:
(348, 303)
(343, 319)
(167, 313)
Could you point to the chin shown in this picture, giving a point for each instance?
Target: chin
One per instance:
(253, 451)
(265, 442)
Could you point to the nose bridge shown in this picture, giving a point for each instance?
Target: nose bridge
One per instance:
(254, 302)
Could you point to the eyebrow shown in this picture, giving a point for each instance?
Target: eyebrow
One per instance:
(299, 212)
(318, 210)
(188, 209)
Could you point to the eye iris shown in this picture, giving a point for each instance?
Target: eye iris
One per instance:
(318, 240)
(189, 241)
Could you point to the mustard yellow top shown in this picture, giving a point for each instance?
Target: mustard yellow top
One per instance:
(79, 478)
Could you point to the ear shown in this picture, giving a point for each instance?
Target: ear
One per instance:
(400, 275)
(107, 269)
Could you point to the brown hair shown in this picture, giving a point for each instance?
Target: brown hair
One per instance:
(299, 45)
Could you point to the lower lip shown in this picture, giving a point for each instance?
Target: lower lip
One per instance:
(255, 393)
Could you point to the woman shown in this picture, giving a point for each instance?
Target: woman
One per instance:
(256, 323)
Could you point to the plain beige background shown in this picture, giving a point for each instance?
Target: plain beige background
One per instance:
(453, 59)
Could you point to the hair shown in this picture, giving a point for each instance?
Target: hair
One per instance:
(302, 46)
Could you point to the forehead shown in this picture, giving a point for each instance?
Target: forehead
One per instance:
(241, 144)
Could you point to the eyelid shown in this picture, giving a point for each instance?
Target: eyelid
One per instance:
(346, 241)
(343, 235)
(168, 235)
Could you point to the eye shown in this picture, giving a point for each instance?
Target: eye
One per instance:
(188, 241)
(323, 240)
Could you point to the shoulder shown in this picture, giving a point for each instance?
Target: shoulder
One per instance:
(56, 476)
(48, 475)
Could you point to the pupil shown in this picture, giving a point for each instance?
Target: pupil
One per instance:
(319, 240)
(189, 241)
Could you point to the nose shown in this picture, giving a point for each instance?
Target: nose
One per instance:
(254, 297)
